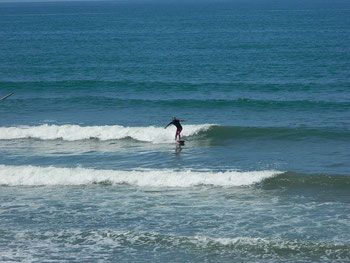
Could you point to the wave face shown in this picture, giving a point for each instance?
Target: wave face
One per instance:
(34, 176)
(75, 132)
(231, 132)
(294, 180)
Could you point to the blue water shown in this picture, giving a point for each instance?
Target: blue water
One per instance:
(88, 174)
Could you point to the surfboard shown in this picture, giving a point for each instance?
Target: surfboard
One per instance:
(181, 142)
(3, 98)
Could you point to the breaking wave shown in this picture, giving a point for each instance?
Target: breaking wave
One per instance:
(155, 134)
(267, 179)
(35, 176)
(115, 132)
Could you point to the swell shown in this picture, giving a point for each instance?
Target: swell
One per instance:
(256, 104)
(82, 84)
(104, 101)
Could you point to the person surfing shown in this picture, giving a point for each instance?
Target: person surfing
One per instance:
(178, 126)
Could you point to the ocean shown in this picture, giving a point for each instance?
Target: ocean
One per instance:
(89, 174)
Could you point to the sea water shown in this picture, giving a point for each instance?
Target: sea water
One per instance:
(88, 174)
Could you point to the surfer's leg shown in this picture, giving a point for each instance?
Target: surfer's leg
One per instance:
(178, 133)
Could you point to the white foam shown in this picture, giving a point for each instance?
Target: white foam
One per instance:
(34, 175)
(115, 132)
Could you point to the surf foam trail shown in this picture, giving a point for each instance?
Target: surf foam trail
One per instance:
(35, 176)
(115, 132)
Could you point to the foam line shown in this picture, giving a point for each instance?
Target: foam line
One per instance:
(116, 132)
(34, 175)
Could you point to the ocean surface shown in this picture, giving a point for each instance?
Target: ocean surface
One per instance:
(89, 174)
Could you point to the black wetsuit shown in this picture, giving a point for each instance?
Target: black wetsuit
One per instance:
(177, 124)
(178, 127)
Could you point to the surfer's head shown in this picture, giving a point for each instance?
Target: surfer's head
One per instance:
(174, 118)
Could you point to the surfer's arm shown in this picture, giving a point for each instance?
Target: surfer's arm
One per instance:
(182, 120)
(168, 125)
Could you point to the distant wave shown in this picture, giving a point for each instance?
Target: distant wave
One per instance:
(155, 134)
(247, 103)
(115, 132)
(186, 103)
(86, 84)
(34, 175)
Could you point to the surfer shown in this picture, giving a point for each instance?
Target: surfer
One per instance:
(176, 122)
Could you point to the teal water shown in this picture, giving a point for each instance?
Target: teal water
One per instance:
(88, 174)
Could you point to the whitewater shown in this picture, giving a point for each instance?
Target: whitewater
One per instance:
(104, 133)
(32, 175)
